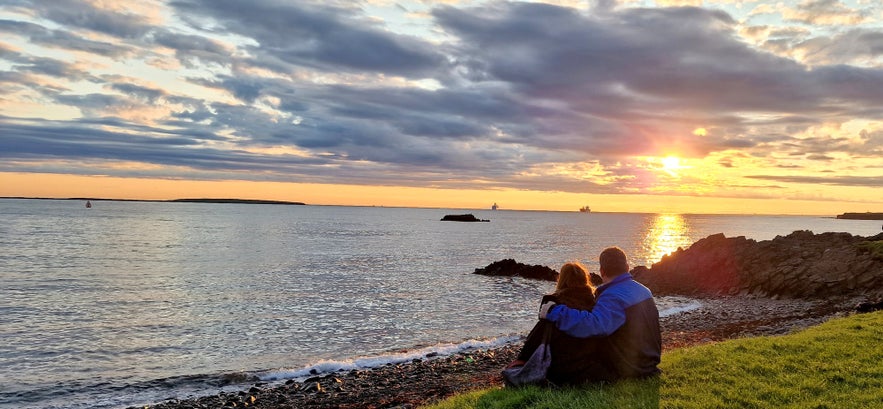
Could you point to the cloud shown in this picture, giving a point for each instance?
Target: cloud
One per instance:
(505, 94)
(665, 61)
(190, 50)
(824, 12)
(862, 47)
(762, 9)
(861, 181)
(149, 95)
(315, 35)
(60, 39)
(86, 15)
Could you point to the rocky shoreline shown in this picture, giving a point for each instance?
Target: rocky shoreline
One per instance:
(801, 265)
(427, 380)
(746, 288)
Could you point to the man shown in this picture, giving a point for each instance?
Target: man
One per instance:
(625, 315)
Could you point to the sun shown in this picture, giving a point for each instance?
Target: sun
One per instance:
(671, 163)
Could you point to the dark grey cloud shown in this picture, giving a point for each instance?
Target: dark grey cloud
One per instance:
(81, 14)
(61, 39)
(92, 143)
(689, 57)
(54, 68)
(65, 141)
(51, 67)
(246, 88)
(91, 104)
(394, 125)
(192, 49)
(641, 66)
(315, 35)
(847, 86)
(146, 94)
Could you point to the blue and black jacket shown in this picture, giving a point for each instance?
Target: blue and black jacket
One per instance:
(625, 315)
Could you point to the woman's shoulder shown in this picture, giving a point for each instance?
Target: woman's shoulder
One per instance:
(580, 298)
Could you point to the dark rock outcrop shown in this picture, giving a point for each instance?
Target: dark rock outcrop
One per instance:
(511, 268)
(800, 265)
(462, 218)
(869, 306)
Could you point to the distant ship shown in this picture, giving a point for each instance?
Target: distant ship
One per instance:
(585, 209)
(494, 207)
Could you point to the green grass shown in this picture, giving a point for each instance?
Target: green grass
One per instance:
(838, 364)
(875, 247)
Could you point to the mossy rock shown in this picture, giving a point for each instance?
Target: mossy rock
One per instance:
(874, 247)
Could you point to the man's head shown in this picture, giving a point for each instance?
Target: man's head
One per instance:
(613, 263)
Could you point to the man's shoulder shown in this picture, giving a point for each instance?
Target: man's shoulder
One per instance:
(628, 290)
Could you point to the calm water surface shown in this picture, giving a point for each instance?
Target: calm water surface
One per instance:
(128, 303)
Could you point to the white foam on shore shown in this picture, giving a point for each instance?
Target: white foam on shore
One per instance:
(436, 351)
(669, 306)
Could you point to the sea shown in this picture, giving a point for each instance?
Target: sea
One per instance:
(131, 303)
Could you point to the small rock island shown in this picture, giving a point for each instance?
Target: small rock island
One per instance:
(462, 218)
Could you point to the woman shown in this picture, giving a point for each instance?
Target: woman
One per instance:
(571, 357)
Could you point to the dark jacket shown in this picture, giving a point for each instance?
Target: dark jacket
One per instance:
(572, 358)
(626, 319)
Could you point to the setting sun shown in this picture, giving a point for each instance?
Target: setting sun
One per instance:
(671, 163)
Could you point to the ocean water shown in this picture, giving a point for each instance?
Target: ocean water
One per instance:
(131, 303)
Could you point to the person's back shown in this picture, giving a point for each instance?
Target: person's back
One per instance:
(634, 349)
(570, 355)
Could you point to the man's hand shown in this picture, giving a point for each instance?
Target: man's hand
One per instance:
(545, 308)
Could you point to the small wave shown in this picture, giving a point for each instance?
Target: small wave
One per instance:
(84, 394)
(96, 394)
(368, 362)
(669, 306)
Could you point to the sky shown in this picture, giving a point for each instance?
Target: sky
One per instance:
(669, 106)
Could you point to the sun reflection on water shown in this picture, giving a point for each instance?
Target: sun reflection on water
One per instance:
(669, 231)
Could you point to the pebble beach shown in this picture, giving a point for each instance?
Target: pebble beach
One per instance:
(432, 378)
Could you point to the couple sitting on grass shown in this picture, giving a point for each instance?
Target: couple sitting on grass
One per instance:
(598, 334)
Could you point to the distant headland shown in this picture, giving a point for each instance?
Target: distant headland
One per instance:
(201, 200)
(242, 201)
(861, 216)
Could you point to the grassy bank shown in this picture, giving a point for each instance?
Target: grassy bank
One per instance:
(833, 365)
(875, 247)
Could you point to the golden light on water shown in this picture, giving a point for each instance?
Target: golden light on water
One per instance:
(668, 232)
